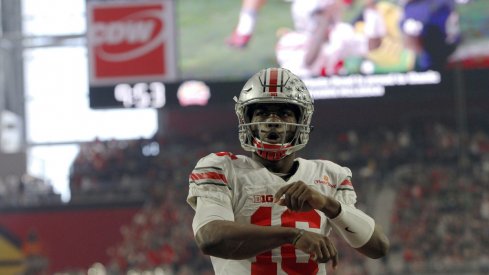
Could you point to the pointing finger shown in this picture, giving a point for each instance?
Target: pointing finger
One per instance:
(280, 193)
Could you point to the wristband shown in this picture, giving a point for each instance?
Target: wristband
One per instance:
(353, 225)
(298, 236)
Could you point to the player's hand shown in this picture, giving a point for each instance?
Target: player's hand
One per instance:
(319, 247)
(298, 196)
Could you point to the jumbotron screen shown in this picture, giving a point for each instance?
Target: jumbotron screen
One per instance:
(415, 35)
(341, 48)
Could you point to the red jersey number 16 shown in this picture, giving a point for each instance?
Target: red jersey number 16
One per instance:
(264, 263)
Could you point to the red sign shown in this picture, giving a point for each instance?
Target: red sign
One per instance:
(71, 237)
(131, 42)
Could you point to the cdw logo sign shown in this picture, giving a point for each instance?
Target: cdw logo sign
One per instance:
(130, 32)
(131, 42)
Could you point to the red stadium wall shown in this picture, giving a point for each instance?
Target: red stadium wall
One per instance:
(71, 238)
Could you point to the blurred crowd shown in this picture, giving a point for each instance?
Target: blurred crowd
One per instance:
(26, 190)
(160, 235)
(438, 223)
(438, 220)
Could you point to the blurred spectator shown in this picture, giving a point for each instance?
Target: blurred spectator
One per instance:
(439, 218)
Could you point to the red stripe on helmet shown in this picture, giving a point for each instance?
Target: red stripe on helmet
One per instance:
(273, 85)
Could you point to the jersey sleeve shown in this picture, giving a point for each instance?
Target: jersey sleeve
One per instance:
(345, 193)
(209, 179)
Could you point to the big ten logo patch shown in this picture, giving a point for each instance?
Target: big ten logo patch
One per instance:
(262, 198)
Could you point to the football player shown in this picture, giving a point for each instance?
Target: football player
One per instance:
(271, 213)
(431, 29)
(321, 41)
(248, 16)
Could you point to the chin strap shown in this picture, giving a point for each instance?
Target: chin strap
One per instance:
(270, 151)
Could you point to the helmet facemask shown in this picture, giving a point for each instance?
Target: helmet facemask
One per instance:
(284, 139)
(287, 90)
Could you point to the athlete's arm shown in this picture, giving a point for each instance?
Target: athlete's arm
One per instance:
(326, 21)
(377, 246)
(357, 228)
(217, 235)
(230, 240)
(353, 224)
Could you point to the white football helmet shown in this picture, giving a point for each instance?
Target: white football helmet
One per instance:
(274, 85)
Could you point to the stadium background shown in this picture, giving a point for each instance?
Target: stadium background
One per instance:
(419, 154)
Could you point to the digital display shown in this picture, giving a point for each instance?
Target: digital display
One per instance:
(360, 50)
(141, 95)
(415, 35)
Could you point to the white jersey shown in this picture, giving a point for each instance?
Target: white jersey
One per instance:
(247, 187)
(344, 42)
(303, 13)
(292, 47)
